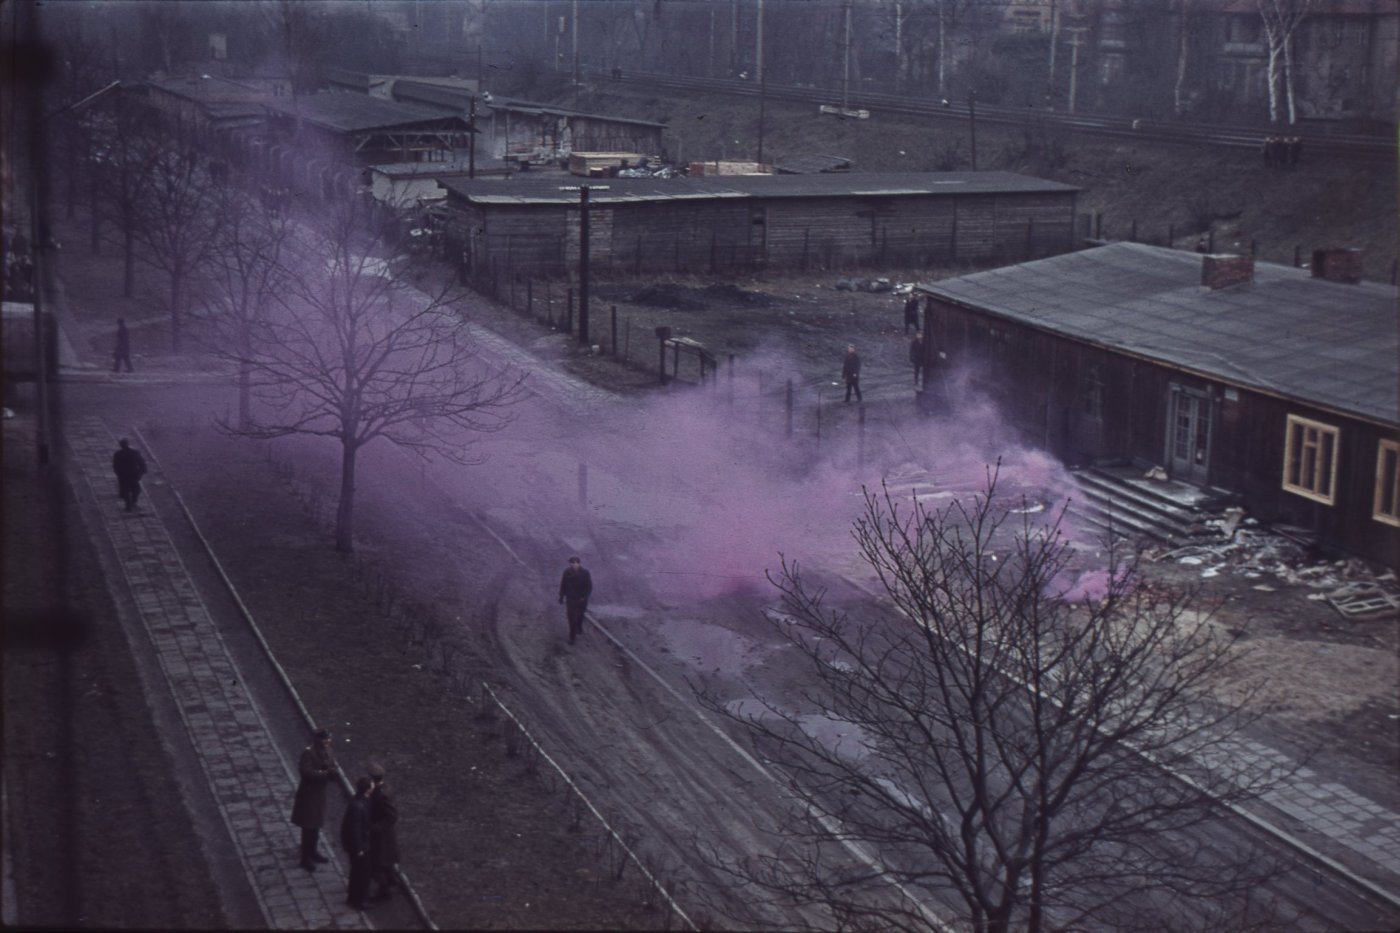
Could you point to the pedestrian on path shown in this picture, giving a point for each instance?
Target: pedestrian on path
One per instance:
(122, 354)
(383, 835)
(317, 767)
(911, 314)
(850, 371)
(916, 357)
(129, 466)
(575, 586)
(354, 837)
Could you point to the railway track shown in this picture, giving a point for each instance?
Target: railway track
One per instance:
(1350, 147)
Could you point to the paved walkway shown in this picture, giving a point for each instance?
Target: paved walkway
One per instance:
(251, 781)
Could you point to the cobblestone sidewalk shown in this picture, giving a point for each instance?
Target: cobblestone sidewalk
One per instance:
(250, 780)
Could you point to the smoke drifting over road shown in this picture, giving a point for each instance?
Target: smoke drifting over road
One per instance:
(711, 490)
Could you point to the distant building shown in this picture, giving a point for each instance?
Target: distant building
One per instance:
(529, 224)
(1258, 379)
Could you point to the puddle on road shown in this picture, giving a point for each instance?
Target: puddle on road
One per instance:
(710, 647)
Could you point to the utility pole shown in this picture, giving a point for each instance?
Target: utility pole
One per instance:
(471, 135)
(575, 18)
(762, 83)
(846, 58)
(583, 258)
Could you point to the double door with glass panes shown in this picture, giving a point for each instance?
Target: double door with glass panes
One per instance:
(1189, 427)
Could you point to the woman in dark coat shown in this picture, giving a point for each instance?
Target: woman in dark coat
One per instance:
(317, 767)
(383, 834)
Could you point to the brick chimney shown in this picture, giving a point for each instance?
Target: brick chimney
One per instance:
(1219, 270)
(1337, 265)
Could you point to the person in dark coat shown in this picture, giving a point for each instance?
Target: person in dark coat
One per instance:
(122, 354)
(916, 357)
(354, 837)
(317, 768)
(911, 314)
(383, 834)
(129, 466)
(575, 586)
(850, 371)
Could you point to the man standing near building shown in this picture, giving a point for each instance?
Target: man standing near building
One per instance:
(383, 834)
(916, 357)
(911, 314)
(850, 372)
(575, 586)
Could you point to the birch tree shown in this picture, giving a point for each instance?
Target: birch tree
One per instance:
(1281, 19)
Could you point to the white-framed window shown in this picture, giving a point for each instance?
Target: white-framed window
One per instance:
(1310, 459)
(1387, 502)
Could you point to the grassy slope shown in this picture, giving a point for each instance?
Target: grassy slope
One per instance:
(1161, 187)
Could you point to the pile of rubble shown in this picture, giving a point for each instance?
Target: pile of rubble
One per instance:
(1243, 547)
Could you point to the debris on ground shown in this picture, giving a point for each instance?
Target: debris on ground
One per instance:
(1241, 546)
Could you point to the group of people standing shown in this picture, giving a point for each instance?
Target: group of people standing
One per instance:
(368, 830)
(850, 366)
(1282, 151)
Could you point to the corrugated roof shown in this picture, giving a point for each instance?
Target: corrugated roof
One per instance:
(1330, 344)
(348, 112)
(536, 190)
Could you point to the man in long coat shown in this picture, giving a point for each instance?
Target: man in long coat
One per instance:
(129, 466)
(850, 372)
(383, 834)
(317, 768)
(575, 586)
(354, 837)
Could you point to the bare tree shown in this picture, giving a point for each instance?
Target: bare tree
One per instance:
(1001, 740)
(177, 223)
(246, 270)
(351, 352)
(1281, 20)
(125, 144)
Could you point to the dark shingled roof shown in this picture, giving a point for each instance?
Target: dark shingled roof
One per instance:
(1324, 343)
(536, 190)
(348, 112)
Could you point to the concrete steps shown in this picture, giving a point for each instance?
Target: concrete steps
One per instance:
(1124, 502)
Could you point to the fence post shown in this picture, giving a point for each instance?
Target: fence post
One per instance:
(787, 406)
(1298, 256)
(1132, 236)
(614, 331)
(569, 312)
(1098, 225)
(860, 436)
(1253, 247)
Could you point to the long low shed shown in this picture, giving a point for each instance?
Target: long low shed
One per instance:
(530, 225)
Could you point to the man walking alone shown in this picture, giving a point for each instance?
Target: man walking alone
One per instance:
(129, 466)
(575, 586)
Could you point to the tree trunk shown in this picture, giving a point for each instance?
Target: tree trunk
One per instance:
(1273, 82)
(1288, 79)
(176, 297)
(942, 52)
(128, 259)
(345, 509)
(245, 392)
(1181, 48)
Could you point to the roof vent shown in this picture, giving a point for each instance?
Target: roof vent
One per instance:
(1337, 265)
(1222, 270)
